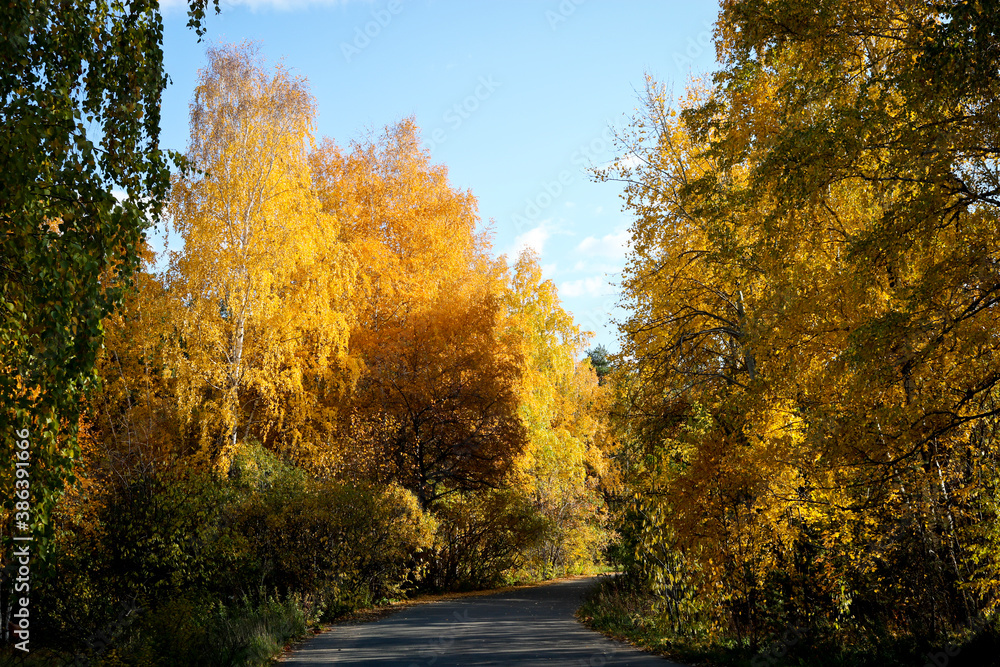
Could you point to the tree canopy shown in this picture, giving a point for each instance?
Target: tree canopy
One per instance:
(82, 177)
(808, 378)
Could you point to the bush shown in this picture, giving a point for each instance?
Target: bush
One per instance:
(140, 542)
(227, 568)
(190, 633)
(481, 537)
(347, 545)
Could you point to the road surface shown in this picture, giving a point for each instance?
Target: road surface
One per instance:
(528, 626)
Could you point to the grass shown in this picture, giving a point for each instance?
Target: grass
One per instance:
(183, 632)
(616, 610)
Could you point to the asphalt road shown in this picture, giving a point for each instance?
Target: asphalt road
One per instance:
(528, 626)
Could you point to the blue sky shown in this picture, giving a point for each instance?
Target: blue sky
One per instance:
(516, 97)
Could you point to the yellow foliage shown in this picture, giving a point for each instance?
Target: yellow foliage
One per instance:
(808, 366)
(259, 290)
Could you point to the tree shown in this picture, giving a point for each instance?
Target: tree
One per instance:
(412, 233)
(809, 366)
(82, 174)
(438, 412)
(435, 407)
(878, 136)
(600, 362)
(134, 411)
(257, 287)
(561, 407)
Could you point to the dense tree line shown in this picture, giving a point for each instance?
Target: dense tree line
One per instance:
(807, 395)
(333, 395)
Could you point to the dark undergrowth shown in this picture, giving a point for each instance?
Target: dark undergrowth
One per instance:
(623, 611)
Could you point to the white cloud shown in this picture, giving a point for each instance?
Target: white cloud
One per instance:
(628, 161)
(594, 286)
(611, 246)
(254, 5)
(533, 238)
(631, 161)
(590, 264)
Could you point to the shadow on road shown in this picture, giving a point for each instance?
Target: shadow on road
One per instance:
(528, 626)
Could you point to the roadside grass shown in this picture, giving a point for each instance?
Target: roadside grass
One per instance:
(622, 613)
(184, 632)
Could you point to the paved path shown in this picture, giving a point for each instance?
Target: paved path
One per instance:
(528, 626)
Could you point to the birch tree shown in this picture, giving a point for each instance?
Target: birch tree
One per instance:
(261, 271)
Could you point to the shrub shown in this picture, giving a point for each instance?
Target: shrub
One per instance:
(137, 543)
(481, 537)
(195, 634)
(225, 568)
(348, 544)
